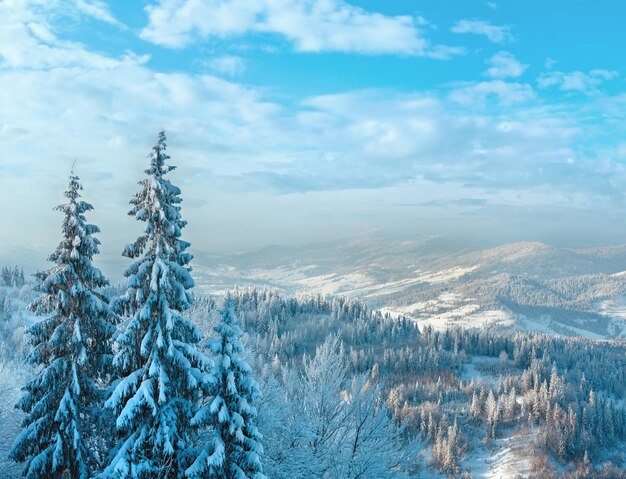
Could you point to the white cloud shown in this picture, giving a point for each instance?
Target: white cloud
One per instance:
(60, 101)
(505, 93)
(504, 65)
(311, 26)
(227, 65)
(28, 41)
(380, 137)
(98, 10)
(495, 33)
(549, 63)
(620, 150)
(352, 140)
(576, 81)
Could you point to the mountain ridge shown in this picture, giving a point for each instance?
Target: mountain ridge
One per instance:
(530, 283)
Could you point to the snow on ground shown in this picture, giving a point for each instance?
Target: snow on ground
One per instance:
(444, 302)
(357, 284)
(483, 318)
(298, 278)
(457, 316)
(540, 324)
(339, 284)
(471, 372)
(506, 458)
(449, 310)
(446, 275)
(615, 308)
(543, 324)
(11, 379)
(586, 334)
(389, 287)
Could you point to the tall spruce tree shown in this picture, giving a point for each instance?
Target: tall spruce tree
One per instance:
(234, 450)
(161, 370)
(72, 348)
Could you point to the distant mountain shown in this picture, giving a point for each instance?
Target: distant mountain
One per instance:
(443, 281)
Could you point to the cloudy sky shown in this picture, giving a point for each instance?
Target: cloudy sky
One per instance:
(299, 120)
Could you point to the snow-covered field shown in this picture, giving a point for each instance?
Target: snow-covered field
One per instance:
(506, 458)
(615, 308)
(452, 310)
(11, 379)
(300, 279)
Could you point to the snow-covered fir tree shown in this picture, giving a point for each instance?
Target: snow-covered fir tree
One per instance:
(71, 349)
(234, 449)
(161, 370)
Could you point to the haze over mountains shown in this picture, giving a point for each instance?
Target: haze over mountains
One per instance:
(443, 281)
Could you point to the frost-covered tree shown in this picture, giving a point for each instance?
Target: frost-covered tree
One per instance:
(71, 349)
(6, 275)
(369, 444)
(322, 385)
(286, 432)
(475, 408)
(491, 411)
(352, 433)
(234, 449)
(160, 367)
(7, 309)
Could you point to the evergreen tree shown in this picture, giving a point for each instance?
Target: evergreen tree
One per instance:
(491, 410)
(475, 409)
(157, 358)
(234, 451)
(7, 309)
(72, 347)
(17, 279)
(511, 403)
(6, 276)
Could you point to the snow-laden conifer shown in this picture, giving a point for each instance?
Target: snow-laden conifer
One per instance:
(234, 450)
(160, 367)
(71, 348)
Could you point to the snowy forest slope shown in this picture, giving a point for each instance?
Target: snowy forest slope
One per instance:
(444, 282)
(461, 401)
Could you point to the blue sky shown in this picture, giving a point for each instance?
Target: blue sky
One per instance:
(300, 120)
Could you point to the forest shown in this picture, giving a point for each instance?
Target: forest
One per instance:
(148, 380)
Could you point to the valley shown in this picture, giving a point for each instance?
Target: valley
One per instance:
(436, 281)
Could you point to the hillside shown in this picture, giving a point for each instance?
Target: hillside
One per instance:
(469, 403)
(441, 281)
